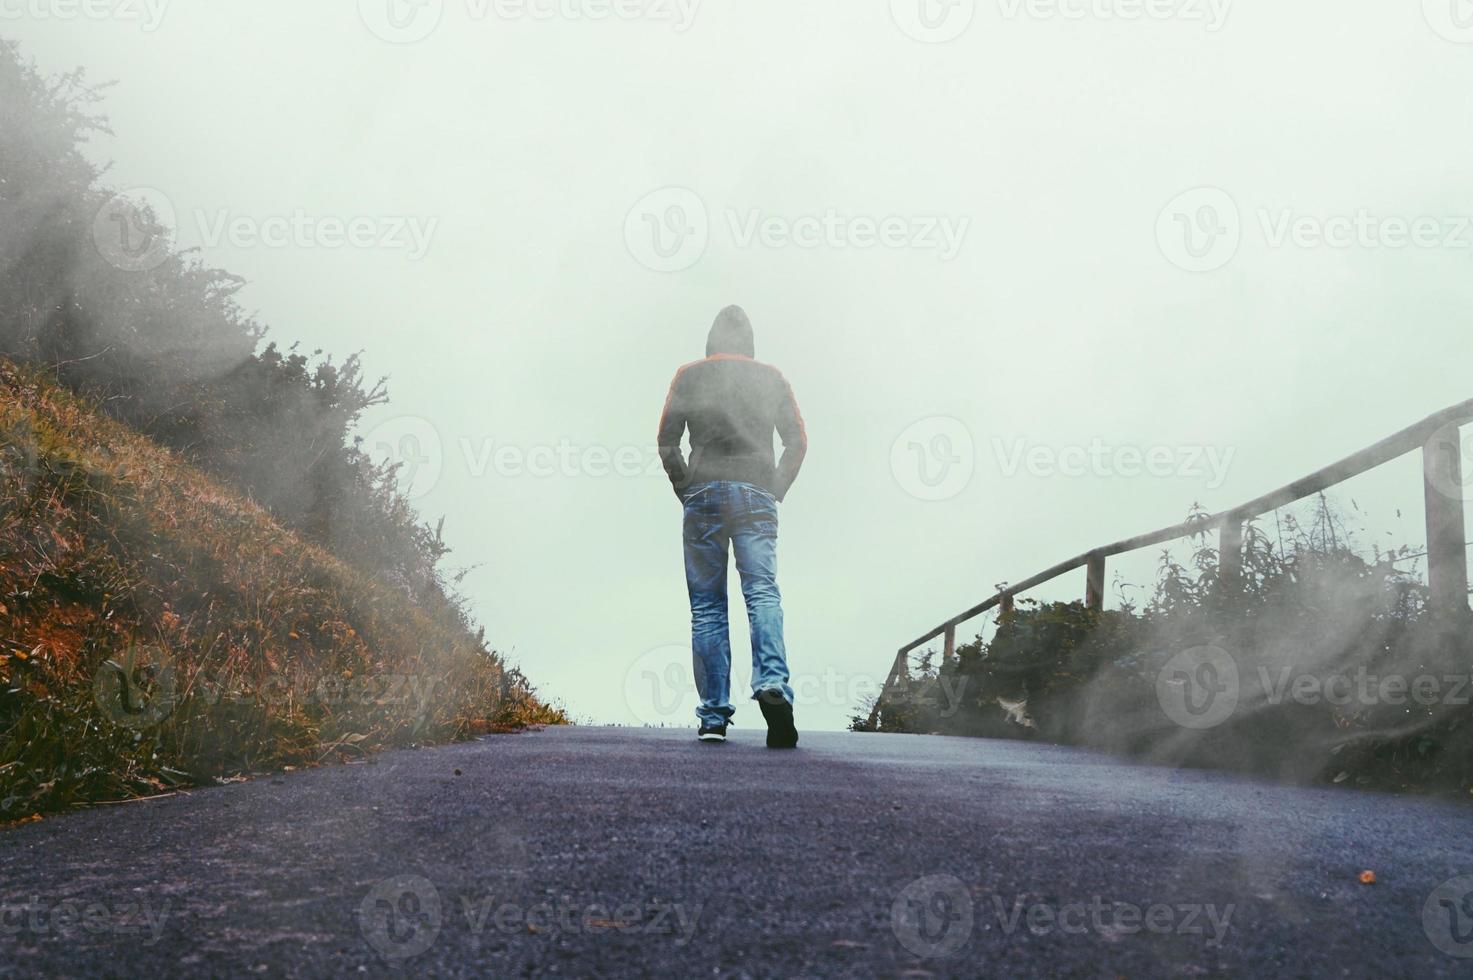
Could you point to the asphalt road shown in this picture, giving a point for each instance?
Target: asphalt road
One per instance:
(618, 852)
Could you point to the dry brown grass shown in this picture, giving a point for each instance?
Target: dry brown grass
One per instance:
(157, 629)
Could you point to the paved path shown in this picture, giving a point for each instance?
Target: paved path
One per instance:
(617, 852)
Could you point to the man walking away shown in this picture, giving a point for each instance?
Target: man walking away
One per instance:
(730, 490)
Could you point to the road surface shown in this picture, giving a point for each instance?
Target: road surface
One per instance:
(619, 852)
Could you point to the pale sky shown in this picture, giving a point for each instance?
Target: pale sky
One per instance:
(1235, 233)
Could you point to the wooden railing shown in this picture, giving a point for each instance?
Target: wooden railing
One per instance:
(1438, 439)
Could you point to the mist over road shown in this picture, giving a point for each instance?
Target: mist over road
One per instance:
(619, 852)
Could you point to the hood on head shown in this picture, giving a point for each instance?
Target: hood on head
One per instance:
(731, 334)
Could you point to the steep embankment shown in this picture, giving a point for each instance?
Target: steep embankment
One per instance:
(156, 629)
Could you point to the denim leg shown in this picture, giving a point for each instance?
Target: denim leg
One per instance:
(706, 539)
(754, 539)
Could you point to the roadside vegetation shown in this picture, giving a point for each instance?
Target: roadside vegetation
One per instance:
(201, 572)
(1324, 665)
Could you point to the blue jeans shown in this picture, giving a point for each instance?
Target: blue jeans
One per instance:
(746, 516)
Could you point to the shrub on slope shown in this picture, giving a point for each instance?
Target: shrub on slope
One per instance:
(157, 629)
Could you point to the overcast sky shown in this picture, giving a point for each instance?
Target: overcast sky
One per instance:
(990, 245)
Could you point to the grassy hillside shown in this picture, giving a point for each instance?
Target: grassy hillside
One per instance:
(157, 629)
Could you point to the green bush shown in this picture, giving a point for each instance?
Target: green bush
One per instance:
(1310, 610)
(169, 350)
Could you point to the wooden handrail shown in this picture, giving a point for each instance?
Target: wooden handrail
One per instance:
(1447, 562)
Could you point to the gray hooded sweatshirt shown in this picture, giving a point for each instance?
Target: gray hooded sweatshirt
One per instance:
(732, 404)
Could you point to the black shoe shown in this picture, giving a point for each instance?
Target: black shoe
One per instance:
(781, 733)
(712, 733)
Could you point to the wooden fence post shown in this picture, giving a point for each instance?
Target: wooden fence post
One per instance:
(1447, 555)
(1094, 582)
(949, 651)
(900, 668)
(1230, 555)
